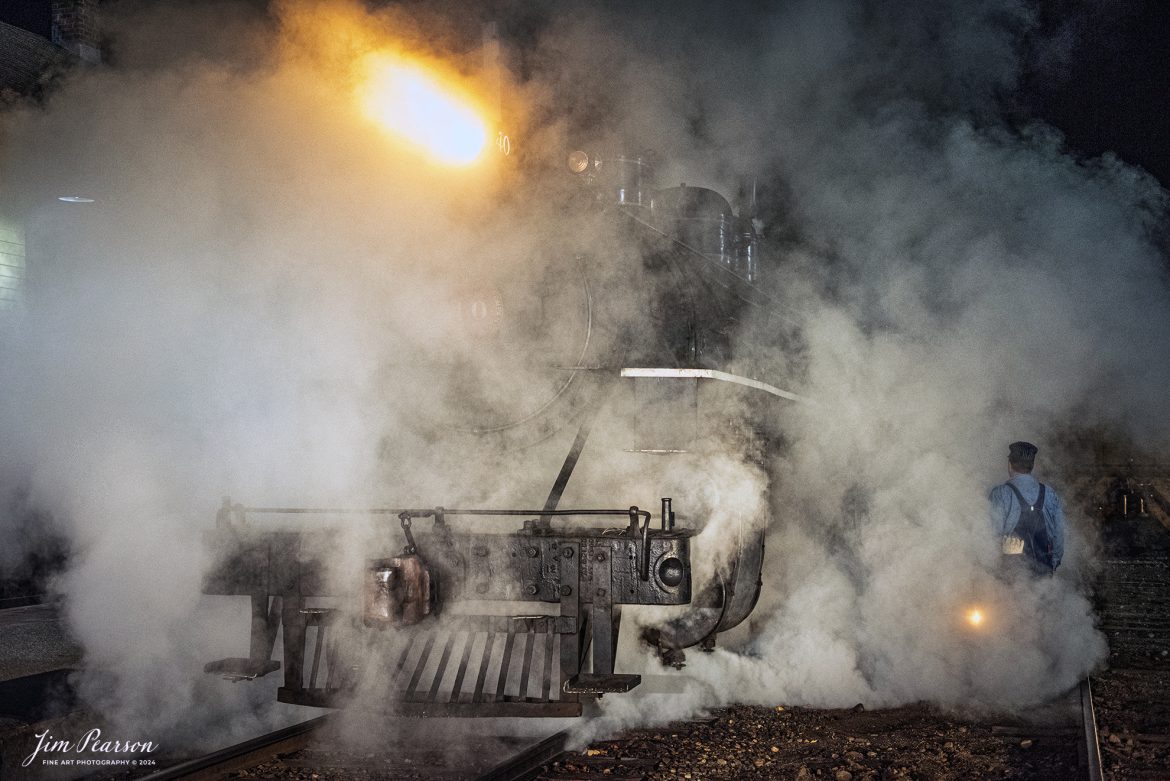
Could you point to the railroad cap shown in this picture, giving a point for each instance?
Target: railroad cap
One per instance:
(1022, 454)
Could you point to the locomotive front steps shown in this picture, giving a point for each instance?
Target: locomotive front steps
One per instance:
(240, 669)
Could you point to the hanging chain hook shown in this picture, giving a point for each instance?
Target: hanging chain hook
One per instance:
(410, 546)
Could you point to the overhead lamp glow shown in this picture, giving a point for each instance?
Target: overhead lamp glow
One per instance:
(74, 199)
(416, 105)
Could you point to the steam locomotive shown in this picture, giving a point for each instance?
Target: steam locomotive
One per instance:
(448, 615)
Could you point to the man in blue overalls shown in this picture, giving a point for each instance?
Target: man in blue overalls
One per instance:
(1027, 515)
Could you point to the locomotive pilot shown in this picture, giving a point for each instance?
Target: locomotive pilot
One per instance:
(1027, 515)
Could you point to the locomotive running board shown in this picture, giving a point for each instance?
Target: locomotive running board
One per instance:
(586, 683)
(239, 669)
(710, 374)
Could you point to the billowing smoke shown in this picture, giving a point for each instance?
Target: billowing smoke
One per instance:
(252, 305)
(242, 310)
(960, 283)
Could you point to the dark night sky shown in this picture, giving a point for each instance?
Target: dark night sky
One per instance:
(33, 15)
(1115, 91)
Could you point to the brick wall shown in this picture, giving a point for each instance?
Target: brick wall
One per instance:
(12, 269)
(75, 28)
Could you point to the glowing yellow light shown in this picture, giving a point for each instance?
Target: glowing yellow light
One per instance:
(578, 162)
(975, 617)
(415, 105)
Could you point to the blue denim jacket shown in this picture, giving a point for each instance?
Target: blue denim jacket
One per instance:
(1005, 510)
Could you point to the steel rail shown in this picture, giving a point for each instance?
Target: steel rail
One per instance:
(1092, 744)
(526, 763)
(521, 765)
(247, 754)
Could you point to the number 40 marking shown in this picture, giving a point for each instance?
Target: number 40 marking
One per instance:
(504, 143)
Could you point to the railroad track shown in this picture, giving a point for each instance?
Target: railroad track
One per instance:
(313, 746)
(1123, 732)
(1133, 692)
(1091, 741)
(900, 734)
(911, 742)
(766, 743)
(242, 755)
(7, 603)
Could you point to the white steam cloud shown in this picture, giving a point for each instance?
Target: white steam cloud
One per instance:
(246, 304)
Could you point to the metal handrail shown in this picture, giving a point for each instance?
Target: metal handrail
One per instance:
(427, 513)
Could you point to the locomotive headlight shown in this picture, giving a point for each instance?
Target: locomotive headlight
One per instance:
(415, 105)
(975, 617)
(578, 162)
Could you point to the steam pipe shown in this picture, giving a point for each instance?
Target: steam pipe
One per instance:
(667, 515)
(644, 553)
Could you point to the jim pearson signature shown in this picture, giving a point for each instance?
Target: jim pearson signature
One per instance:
(91, 742)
